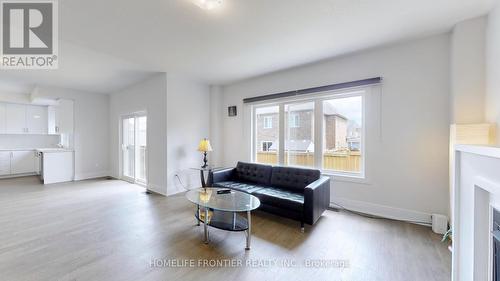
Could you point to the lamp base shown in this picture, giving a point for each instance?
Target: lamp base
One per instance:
(205, 165)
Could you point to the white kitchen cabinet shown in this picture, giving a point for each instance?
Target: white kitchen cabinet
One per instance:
(57, 166)
(23, 119)
(2, 118)
(5, 163)
(22, 162)
(60, 118)
(51, 118)
(15, 119)
(36, 119)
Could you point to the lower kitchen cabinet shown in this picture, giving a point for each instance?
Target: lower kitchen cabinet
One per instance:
(17, 162)
(5, 163)
(23, 162)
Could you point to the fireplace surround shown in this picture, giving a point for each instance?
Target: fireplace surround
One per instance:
(476, 195)
(495, 233)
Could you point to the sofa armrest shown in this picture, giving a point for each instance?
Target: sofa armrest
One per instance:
(316, 199)
(221, 175)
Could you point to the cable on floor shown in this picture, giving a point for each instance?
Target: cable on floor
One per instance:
(340, 207)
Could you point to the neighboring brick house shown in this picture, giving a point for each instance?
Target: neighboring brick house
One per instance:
(267, 133)
(301, 131)
(335, 131)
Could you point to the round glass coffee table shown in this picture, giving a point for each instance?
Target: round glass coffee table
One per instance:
(222, 210)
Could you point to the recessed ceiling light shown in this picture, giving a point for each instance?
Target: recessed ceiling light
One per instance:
(208, 4)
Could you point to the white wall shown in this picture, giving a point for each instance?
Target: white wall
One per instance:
(216, 126)
(149, 96)
(91, 130)
(188, 121)
(468, 71)
(15, 97)
(407, 124)
(178, 118)
(493, 68)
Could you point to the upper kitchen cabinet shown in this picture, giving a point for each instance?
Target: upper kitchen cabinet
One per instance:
(36, 119)
(23, 119)
(61, 117)
(15, 119)
(2, 118)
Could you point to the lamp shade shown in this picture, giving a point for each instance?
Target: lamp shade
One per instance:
(204, 146)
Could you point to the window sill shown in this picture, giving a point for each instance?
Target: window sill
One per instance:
(345, 177)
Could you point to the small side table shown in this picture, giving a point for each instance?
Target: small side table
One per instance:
(205, 179)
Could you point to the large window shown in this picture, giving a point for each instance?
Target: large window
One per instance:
(342, 130)
(299, 140)
(324, 131)
(266, 133)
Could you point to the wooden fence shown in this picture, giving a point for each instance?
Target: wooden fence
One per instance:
(349, 161)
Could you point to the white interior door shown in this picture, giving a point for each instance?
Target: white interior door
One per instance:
(134, 148)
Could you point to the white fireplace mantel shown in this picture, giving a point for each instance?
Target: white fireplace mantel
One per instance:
(475, 193)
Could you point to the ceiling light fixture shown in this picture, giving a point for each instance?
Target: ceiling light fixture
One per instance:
(208, 4)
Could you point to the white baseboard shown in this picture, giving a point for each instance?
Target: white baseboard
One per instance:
(383, 211)
(173, 192)
(156, 189)
(18, 175)
(91, 175)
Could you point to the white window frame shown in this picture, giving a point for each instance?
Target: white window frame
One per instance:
(318, 99)
(266, 120)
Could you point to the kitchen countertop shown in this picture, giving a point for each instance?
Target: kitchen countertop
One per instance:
(44, 150)
(54, 150)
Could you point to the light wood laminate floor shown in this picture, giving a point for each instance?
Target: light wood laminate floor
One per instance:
(112, 230)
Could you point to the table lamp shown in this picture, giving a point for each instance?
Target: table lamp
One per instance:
(204, 147)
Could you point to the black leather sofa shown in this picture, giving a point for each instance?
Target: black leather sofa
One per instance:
(296, 193)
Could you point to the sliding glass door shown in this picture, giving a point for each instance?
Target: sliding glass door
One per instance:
(134, 148)
(128, 148)
(141, 149)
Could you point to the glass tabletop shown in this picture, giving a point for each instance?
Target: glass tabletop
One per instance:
(206, 169)
(236, 201)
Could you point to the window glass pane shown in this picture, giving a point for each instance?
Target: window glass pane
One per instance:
(299, 134)
(267, 134)
(141, 148)
(128, 144)
(342, 129)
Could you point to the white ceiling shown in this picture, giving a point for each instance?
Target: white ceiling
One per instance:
(107, 45)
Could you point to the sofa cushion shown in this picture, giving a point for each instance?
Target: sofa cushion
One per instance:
(240, 186)
(281, 198)
(293, 179)
(254, 173)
